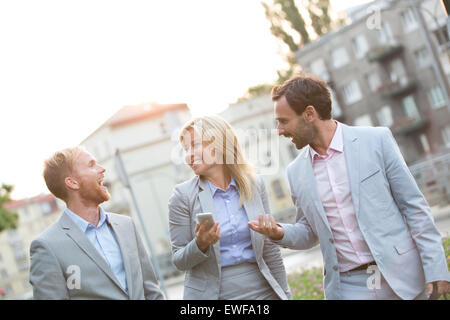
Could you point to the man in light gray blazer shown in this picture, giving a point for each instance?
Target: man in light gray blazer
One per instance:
(355, 196)
(88, 253)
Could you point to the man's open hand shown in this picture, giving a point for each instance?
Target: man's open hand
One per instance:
(267, 226)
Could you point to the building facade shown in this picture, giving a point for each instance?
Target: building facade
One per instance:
(145, 136)
(35, 215)
(381, 72)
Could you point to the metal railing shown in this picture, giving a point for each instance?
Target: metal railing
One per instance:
(433, 178)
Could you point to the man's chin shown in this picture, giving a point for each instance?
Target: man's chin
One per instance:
(106, 196)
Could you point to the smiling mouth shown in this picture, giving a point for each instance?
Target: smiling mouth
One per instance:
(100, 182)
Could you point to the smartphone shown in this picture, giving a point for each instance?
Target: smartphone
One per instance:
(205, 216)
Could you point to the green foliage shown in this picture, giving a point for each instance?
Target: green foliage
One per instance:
(8, 219)
(276, 27)
(283, 13)
(446, 244)
(318, 11)
(295, 19)
(255, 91)
(307, 284)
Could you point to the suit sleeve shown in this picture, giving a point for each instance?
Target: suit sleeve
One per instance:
(298, 236)
(271, 251)
(46, 275)
(185, 252)
(415, 209)
(151, 288)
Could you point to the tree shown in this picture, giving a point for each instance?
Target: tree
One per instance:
(318, 11)
(288, 23)
(285, 12)
(8, 219)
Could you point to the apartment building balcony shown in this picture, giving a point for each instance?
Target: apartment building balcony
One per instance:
(382, 53)
(407, 125)
(393, 89)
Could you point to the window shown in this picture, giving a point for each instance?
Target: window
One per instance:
(446, 135)
(319, 68)
(278, 189)
(351, 92)
(384, 116)
(8, 289)
(441, 35)
(339, 57)
(374, 81)
(436, 97)
(397, 72)
(22, 265)
(385, 35)
(409, 20)
(422, 57)
(410, 108)
(364, 120)
(424, 143)
(336, 110)
(360, 46)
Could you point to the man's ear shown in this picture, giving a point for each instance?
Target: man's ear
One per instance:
(71, 183)
(309, 114)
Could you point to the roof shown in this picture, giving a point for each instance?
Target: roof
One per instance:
(13, 204)
(358, 15)
(134, 113)
(130, 114)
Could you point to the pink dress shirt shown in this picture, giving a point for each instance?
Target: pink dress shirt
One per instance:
(334, 190)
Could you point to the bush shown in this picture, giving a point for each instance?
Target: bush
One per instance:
(307, 284)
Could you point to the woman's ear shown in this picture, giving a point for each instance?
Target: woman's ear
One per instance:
(71, 183)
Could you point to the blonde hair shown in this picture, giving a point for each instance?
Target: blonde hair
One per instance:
(220, 135)
(57, 168)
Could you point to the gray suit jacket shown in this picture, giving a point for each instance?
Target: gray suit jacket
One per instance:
(63, 245)
(392, 214)
(202, 280)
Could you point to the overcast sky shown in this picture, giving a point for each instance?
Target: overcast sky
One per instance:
(66, 66)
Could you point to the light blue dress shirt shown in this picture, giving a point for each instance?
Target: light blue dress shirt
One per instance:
(235, 241)
(103, 239)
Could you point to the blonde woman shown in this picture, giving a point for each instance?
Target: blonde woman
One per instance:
(228, 260)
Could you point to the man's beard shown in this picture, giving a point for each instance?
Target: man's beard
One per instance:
(302, 138)
(92, 192)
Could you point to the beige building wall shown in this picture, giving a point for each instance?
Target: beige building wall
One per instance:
(35, 215)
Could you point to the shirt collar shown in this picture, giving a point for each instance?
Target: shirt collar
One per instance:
(336, 144)
(214, 188)
(83, 224)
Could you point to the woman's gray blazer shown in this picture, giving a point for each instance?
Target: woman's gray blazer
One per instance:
(202, 280)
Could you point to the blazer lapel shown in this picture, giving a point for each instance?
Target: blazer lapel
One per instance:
(120, 234)
(352, 155)
(74, 232)
(207, 205)
(308, 186)
(253, 209)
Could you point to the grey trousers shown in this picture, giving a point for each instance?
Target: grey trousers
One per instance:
(245, 282)
(354, 286)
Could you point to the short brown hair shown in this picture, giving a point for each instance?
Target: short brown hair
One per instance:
(305, 90)
(57, 168)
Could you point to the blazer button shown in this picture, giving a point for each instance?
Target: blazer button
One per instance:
(335, 268)
(331, 240)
